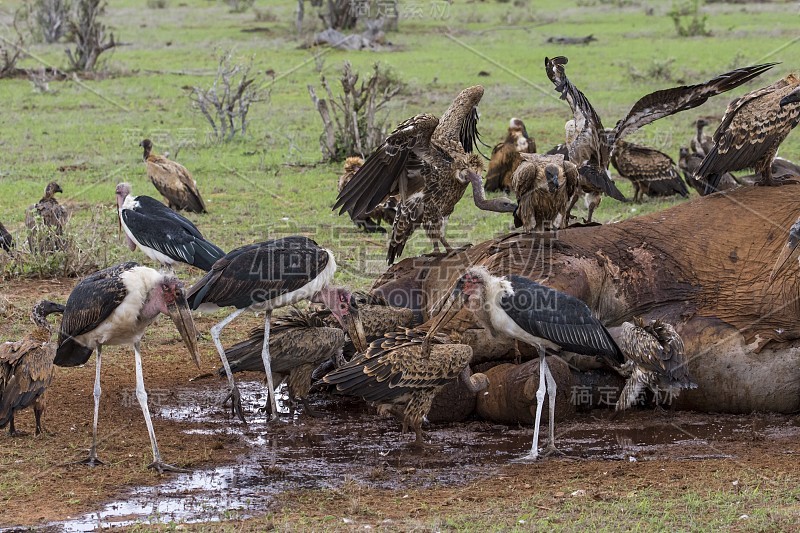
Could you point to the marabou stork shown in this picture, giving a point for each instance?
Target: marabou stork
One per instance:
(263, 277)
(26, 369)
(115, 306)
(543, 317)
(162, 234)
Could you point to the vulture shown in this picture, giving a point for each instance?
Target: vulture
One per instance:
(298, 342)
(751, 131)
(428, 163)
(172, 180)
(505, 156)
(651, 172)
(590, 146)
(544, 186)
(162, 234)
(6, 240)
(403, 371)
(689, 163)
(701, 143)
(788, 251)
(371, 222)
(45, 221)
(26, 369)
(655, 359)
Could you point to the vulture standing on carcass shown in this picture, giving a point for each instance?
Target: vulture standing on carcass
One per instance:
(752, 129)
(26, 369)
(506, 156)
(651, 172)
(701, 143)
(544, 186)
(115, 306)
(655, 359)
(371, 222)
(428, 163)
(6, 240)
(689, 163)
(298, 342)
(590, 146)
(540, 316)
(45, 221)
(263, 277)
(403, 371)
(172, 180)
(162, 234)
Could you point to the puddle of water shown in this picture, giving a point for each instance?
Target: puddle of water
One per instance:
(351, 444)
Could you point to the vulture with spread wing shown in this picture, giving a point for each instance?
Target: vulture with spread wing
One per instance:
(753, 128)
(370, 222)
(652, 172)
(172, 180)
(590, 146)
(506, 156)
(428, 163)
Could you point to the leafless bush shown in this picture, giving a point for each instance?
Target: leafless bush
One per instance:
(226, 103)
(11, 51)
(265, 15)
(88, 34)
(350, 121)
(335, 14)
(157, 4)
(49, 18)
(658, 69)
(40, 80)
(239, 6)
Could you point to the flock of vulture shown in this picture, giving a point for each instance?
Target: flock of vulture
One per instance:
(355, 343)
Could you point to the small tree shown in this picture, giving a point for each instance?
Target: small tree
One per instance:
(50, 17)
(88, 34)
(226, 103)
(350, 122)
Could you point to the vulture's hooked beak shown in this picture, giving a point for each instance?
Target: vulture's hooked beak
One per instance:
(355, 328)
(182, 317)
(448, 310)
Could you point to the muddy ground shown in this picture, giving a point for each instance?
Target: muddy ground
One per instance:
(305, 468)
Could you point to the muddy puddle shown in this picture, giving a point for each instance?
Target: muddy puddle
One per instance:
(352, 445)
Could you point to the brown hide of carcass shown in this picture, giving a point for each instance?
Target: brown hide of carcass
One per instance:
(709, 258)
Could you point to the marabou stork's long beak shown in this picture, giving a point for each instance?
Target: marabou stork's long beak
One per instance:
(788, 252)
(448, 310)
(182, 317)
(355, 328)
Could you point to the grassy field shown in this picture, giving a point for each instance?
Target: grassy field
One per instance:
(84, 133)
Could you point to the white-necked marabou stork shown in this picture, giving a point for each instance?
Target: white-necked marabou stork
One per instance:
(162, 234)
(115, 306)
(263, 277)
(540, 316)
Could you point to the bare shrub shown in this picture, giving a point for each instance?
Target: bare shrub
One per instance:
(88, 34)
(688, 20)
(239, 6)
(335, 14)
(226, 103)
(658, 69)
(40, 80)
(157, 4)
(350, 122)
(12, 51)
(49, 18)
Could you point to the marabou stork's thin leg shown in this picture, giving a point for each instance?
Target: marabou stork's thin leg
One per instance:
(534, 453)
(233, 395)
(92, 460)
(551, 395)
(141, 395)
(268, 365)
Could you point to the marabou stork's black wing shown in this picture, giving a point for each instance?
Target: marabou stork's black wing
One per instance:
(396, 365)
(394, 168)
(92, 300)
(158, 227)
(560, 318)
(259, 272)
(667, 102)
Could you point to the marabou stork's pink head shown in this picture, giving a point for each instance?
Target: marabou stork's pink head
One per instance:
(469, 292)
(122, 192)
(168, 297)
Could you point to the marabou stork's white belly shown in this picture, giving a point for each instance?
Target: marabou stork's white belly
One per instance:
(155, 255)
(126, 325)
